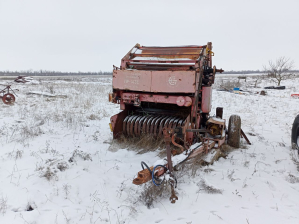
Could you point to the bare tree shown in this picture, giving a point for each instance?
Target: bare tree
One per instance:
(280, 70)
(258, 78)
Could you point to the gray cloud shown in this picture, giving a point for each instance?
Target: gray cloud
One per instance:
(92, 35)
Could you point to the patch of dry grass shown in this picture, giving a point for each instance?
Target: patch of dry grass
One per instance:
(151, 193)
(143, 144)
(204, 187)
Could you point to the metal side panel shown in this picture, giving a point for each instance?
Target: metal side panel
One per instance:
(117, 123)
(206, 99)
(132, 80)
(154, 81)
(173, 81)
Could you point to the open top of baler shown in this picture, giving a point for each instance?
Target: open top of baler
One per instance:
(164, 58)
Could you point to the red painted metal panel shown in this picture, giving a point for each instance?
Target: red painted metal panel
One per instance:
(173, 81)
(132, 80)
(170, 47)
(164, 61)
(206, 99)
(116, 123)
(179, 100)
(154, 81)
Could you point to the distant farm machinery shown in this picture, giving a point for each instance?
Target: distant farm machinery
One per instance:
(7, 96)
(166, 93)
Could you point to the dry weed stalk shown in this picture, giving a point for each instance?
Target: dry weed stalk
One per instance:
(80, 154)
(203, 186)
(49, 175)
(151, 193)
(3, 205)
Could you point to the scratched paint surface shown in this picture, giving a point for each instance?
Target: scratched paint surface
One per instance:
(155, 81)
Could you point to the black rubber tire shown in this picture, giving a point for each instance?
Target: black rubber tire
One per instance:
(234, 131)
(295, 133)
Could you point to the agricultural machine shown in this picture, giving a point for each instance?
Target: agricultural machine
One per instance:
(7, 95)
(295, 134)
(166, 92)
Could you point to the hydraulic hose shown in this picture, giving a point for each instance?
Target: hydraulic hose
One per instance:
(153, 175)
(143, 163)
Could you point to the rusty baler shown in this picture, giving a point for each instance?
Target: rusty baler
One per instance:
(166, 92)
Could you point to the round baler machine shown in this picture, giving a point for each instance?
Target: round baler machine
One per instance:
(166, 92)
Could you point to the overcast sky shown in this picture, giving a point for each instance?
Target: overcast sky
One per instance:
(92, 35)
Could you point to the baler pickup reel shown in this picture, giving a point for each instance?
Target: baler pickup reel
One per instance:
(166, 93)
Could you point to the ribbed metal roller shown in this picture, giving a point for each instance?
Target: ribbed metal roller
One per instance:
(175, 123)
(152, 125)
(148, 124)
(131, 125)
(140, 125)
(167, 122)
(125, 124)
(135, 125)
(161, 125)
(144, 125)
(157, 124)
(180, 123)
(171, 122)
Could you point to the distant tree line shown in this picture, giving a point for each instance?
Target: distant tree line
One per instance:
(242, 72)
(249, 71)
(49, 73)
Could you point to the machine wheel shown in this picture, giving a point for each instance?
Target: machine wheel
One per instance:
(295, 133)
(8, 98)
(234, 131)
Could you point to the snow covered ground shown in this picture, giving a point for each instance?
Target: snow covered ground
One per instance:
(55, 166)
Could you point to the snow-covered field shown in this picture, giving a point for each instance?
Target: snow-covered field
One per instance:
(55, 166)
